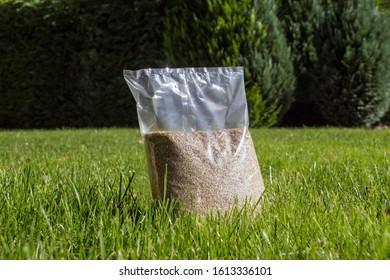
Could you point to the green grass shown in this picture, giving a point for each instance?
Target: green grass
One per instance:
(84, 194)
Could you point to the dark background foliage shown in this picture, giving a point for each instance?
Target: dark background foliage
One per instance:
(352, 74)
(231, 33)
(61, 61)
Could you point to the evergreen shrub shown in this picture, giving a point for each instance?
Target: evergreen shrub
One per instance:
(301, 21)
(352, 76)
(231, 33)
(384, 7)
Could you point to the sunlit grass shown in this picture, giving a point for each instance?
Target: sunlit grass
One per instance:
(84, 194)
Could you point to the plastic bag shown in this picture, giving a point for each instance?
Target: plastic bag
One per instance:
(195, 125)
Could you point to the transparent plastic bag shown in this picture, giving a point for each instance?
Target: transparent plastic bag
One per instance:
(195, 125)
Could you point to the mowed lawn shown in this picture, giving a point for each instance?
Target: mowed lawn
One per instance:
(84, 194)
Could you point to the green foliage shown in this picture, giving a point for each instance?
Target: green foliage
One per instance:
(352, 75)
(267, 56)
(260, 112)
(61, 62)
(41, 45)
(118, 35)
(230, 33)
(386, 118)
(301, 21)
(186, 34)
(384, 6)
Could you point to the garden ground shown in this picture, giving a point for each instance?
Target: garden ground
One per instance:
(84, 194)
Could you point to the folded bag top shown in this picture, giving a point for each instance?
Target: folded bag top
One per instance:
(189, 99)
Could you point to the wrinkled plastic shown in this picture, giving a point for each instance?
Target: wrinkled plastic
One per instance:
(195, 125)
(189, 99)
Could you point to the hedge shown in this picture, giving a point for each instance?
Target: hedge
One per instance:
(61, 62)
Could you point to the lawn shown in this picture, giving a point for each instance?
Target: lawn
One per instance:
(84, 194)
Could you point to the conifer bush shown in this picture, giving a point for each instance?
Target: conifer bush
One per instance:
(301, 21)
(230, 33)
(352, 76)
(384, 7)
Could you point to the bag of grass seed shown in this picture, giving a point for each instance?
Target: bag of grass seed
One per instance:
(195, 125)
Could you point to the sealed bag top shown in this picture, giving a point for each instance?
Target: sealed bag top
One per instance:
(189, 99)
